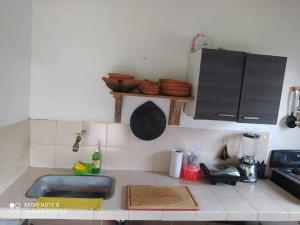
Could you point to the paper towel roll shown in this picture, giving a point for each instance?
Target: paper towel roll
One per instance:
(175, 163)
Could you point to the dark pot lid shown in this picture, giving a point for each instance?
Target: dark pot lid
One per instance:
(148, 121)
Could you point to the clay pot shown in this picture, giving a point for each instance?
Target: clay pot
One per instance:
(120, 76)
(121, 85)
(174, 82)
(149, 87)
(175, 93)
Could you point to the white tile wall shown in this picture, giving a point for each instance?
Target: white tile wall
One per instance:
(14, 152)
(51, 145)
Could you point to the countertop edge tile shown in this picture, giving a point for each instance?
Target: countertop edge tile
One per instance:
(223, 208)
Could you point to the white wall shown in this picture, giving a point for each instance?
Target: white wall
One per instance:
(15, 38)
(74, 43)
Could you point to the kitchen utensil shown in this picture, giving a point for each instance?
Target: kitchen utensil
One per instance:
(250, 146)
(190, 172)
(227, 174)
(261, 168)
(291, 119)
(175, 163)
(190, 169)
(120, 85)
(248, 166)
(150, 197)
(148, 121)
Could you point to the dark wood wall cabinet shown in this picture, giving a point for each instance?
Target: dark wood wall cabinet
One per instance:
(235, 86)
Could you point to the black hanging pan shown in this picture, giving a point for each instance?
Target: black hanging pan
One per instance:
(148, 121)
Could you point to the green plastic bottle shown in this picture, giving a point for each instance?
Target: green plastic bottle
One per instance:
(96, 161)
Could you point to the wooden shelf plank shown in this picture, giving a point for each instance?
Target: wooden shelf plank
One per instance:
(176, 104)
(136, 94)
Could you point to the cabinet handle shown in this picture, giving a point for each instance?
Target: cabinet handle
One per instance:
(225, 115)
(250, 118)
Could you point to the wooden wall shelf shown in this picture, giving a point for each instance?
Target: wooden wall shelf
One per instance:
(176, 104)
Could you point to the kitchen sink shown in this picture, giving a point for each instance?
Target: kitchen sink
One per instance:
(72, 187)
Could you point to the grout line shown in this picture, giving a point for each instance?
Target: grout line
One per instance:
(55, 140)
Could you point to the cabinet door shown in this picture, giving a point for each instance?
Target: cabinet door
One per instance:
(261, 91)
(219, 85)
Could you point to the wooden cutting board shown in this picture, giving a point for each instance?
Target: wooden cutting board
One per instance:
(149, 197)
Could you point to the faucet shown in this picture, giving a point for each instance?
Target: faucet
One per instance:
(76, 144)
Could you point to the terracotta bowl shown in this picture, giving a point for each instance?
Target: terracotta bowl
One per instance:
(173, 82)
(121, 85)
(177, 93)
(170, 88)
(120, 76)
(149, 87)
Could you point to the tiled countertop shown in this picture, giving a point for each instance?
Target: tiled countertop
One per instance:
(263, 201)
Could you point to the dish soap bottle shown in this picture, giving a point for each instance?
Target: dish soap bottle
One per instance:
(96, 161)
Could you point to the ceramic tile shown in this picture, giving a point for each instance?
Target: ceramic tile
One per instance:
(238, 208)
(42, 155)
(22, 184)
(65, 157)
(76, 214)
(141, 159)
(201, 190)
(223, 190)
(145, 215)
(210, 207)
(77, 222)
(118, 135)
(248, 189)
(268, 209)
(280, 196)
(162, 178)
(95, 132)
(179, 215)
(140, 177)
(161, 160)
(12, 168)
(34, 173)
(111, 215)
(7, 213)
(14, 140)
(117, 158)
(43, 132)
(67, 132)
(294, 216)
(39, 214)
(17, 197)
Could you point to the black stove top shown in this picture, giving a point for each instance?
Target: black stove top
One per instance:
(285, 166)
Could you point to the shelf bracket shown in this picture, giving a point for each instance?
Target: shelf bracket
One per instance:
(176, 104)
(118, 107)
(175, 112)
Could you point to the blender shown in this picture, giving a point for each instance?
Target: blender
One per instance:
(250, 144)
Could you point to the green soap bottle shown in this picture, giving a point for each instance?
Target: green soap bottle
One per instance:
(96, 161)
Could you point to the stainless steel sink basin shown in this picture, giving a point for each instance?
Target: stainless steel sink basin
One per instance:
(72, 186)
